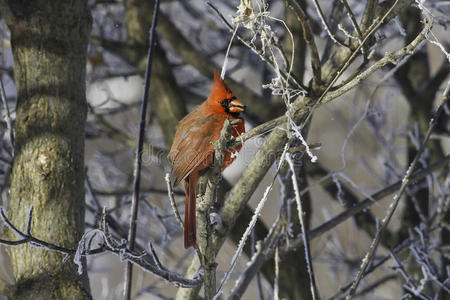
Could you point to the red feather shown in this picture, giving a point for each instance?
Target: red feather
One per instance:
(192, 151)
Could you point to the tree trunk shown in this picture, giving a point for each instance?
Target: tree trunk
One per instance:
(49, 42)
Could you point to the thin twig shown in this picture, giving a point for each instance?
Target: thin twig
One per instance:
(327, 96)
(288, 77)
(309, 38)
(258, 276)
(350, 58)
(366, 203)
(109, 244)
(353, 20)
(206, 203)
(276, 288)
(397, 197)
(376, 284)
(373, 266)
(325, 24)
(172, 201)
(410, 284)
(28, 238)
(265, 252)
(138, 161)
(330, 94)
(301, 212)
(252, 223)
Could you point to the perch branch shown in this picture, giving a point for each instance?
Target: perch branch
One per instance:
(206, 203)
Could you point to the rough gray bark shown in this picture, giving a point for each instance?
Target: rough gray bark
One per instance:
(49, 42)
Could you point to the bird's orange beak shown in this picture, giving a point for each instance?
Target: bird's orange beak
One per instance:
(236, 106)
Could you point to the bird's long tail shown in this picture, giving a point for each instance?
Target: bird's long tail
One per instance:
(190, 227)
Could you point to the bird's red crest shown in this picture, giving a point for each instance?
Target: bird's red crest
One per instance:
(219, 90)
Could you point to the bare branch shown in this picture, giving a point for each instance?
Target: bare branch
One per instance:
(325, 24)
(376, 264)
(183, 47)
(206, 203)
(172, 201)
(309, 38)
(350, 212)
(353, 19)
(108, 244)
(264, 251)
(405, 181)
(301, 212)
(138, 161)
(288, 77)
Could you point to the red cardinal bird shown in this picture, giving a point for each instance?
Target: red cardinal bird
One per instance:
(192, 151)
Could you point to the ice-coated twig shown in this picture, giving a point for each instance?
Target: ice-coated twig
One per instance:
(28, 238)
(172, 201)
(397, 197)
(251, 225)
(301, 212)
(346, 33)
(244, 238)
(398, 249)
(354, 23)
(258, 275)
(309, 38)
(422, 253)
(297, 133)
(410, 284)
(264, 250)
(138, 161)
(325, 24)
(109, 245)
(327, 93)
(366, 203)
(250, 45)
(225, 60)
(435, 40)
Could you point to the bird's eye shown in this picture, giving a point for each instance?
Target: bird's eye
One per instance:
(225, 102)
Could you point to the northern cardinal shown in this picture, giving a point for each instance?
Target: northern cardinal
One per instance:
(192, 150)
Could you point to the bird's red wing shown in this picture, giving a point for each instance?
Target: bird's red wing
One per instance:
(193, 149)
